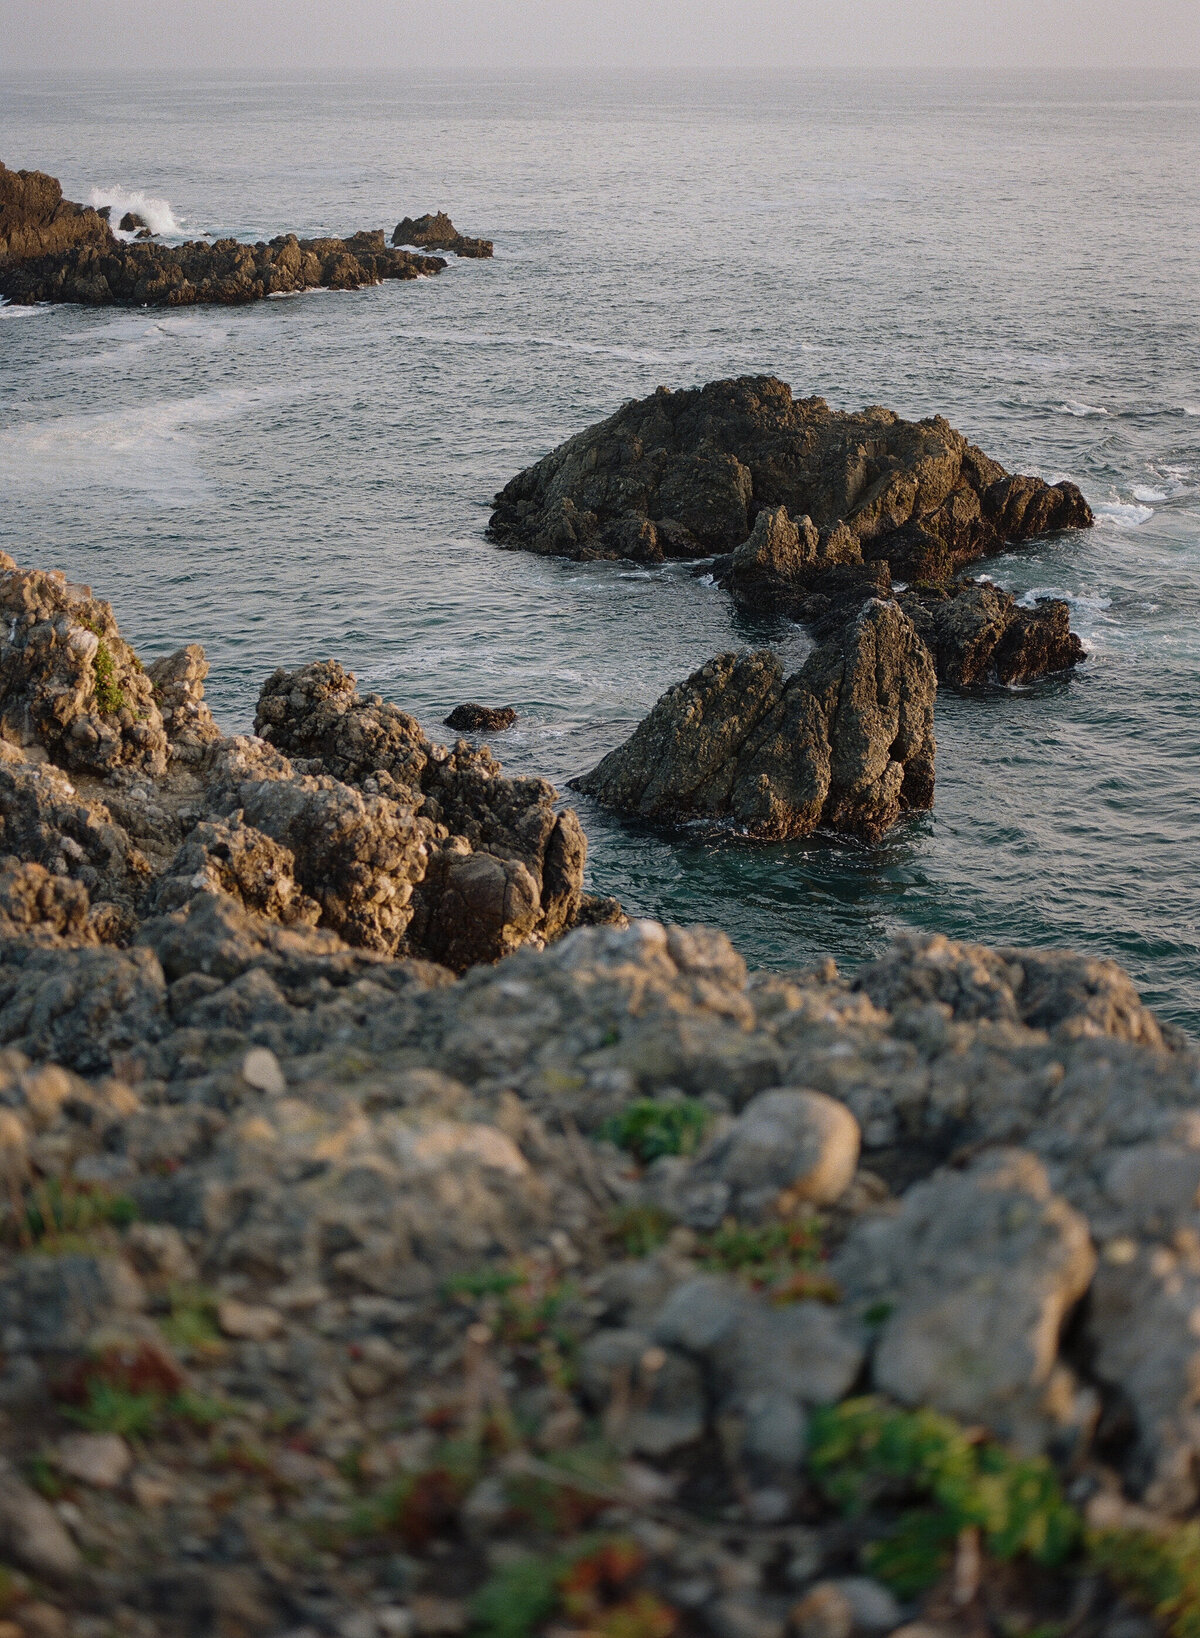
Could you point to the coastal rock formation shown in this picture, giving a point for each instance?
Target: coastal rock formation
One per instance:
(387, 841)
(52, 250)
(35, 219)
(686, 474)
(978, 633)
(847, 742)
(439, 233)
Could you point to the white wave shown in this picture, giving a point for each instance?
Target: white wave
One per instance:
(1074, 407)
(156, 213)
(1077, 600)
(14, 309)
(1122, 515)
(1150, 496)
(1191, 409)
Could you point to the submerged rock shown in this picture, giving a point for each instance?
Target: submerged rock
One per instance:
(847, 742)
(686, 474)
(439, 233)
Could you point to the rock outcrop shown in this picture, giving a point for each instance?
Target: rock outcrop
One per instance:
(52, 250)
(121, 800)
(481, 719)
(846, 743)
(686, 474)
(978, 633)
(439, 233)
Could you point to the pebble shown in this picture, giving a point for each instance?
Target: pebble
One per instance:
(99, 1459)
(249, 1322)
(260, 1069)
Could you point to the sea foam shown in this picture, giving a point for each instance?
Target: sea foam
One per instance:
(156, 213)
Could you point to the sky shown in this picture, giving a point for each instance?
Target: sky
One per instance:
(303, 36)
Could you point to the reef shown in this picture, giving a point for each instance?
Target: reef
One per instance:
(54, 251)
(439, 233)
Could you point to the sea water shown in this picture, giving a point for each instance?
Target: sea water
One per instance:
(311, 477)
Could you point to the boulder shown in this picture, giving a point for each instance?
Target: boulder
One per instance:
(977, 633)
(847, 742)
(481, 719)
(439, 233)
(974, 1276)
(686, 474)
(35, 219)
(178, 682)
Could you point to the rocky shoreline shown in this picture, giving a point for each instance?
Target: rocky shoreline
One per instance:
(354, 1281)
(52, 250)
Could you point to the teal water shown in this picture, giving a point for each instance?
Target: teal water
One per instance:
(311, 477)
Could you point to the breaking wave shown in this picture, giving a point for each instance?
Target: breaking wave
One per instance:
(156, 213)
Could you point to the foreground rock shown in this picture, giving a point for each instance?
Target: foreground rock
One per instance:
(120, 800)
(439, 233)
(686, 474)
(846, 743)
(52, 250)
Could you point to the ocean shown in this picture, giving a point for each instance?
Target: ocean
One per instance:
(311, 477)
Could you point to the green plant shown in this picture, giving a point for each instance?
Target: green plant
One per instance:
(783, 1259)
(111, 1409)
(639, 1230)
(1160, 1571)
(110, 696)
(56, 1213)
(192, 1322)
(483, 1282)
(518, 1599)
(651, 1128)
(863, 1453)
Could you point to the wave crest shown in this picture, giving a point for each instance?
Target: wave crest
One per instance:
(156, 213)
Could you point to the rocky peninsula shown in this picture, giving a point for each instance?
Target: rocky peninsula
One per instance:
(52, 250)
(387, 1250)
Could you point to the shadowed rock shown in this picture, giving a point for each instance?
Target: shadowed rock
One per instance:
(481, 719)
(847, 742)
(439, 233)
(686, 474)
(978, 633)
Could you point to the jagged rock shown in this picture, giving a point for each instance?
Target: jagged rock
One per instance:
(178, 683)
(685, 474)
(978, 1270)
(33, 900)
(357, 855)
(1073, 995)
(68, 680)
(846, 742)
(80, 1007)
(782, 559)
(131, 222)
(503, 865)
(977, 633)
(35, 219)
(439, 233)
(481, 719)
(243, 863)
(52, 250)
(44, 822)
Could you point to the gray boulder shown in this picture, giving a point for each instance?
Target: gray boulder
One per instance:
(974, 1277)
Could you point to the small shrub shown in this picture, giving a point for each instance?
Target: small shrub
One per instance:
(588, 1585)
(651, 1128)
(483, 1282)
(109, 1409)
(518, 1599)
(110, 696)
(1161, 1572)
(861, 1453)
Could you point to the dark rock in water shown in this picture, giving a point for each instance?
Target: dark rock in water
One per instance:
(131, 222)
(439, 233)
(35, 219)
(977, 633)
(686, 474)
(476, 719)
(52, 250)
(847, 742)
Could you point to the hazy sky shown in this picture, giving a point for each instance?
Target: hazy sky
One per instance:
(297, 35)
